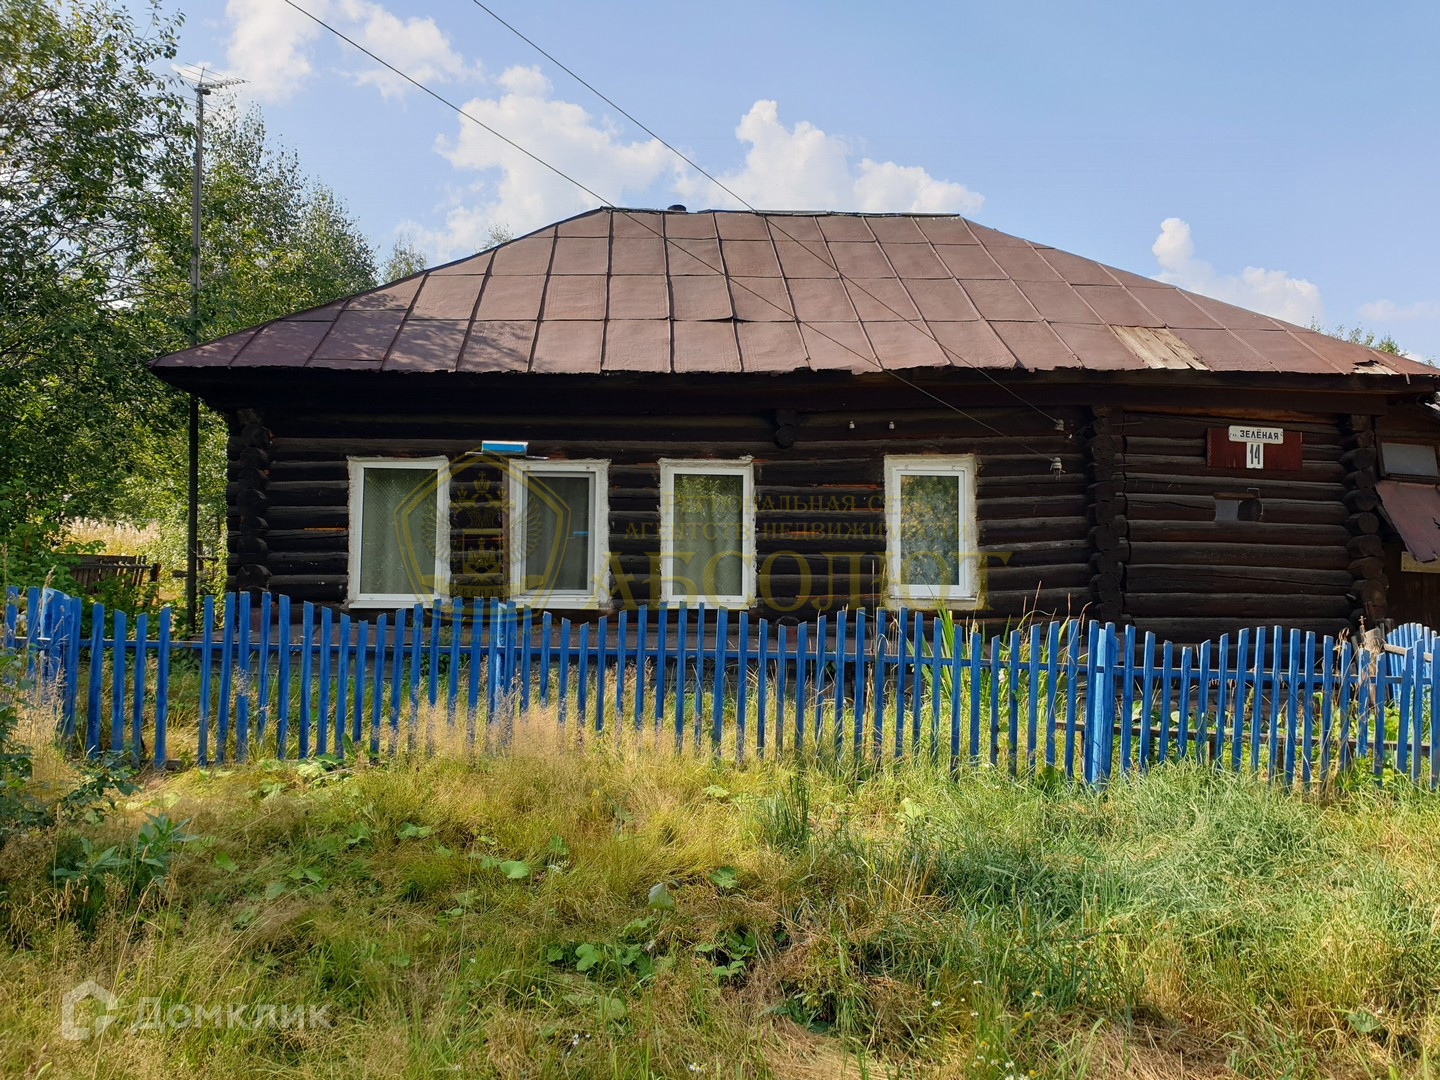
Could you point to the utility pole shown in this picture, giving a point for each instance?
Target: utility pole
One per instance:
(203, 86)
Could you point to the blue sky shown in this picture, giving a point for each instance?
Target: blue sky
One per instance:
(1280, 156)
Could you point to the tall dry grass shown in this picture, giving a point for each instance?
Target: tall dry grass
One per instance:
(830, 917)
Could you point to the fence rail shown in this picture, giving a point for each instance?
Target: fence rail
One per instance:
(1084, 698)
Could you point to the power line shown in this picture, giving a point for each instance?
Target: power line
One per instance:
(667, 240)
(924, 329)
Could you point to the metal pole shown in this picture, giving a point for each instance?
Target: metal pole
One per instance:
(192, 514)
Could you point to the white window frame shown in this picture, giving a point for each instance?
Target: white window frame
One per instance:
(358, 467)
(743, 467)
(599, 592)
(967, 593)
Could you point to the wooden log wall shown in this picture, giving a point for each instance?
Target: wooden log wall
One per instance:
(1189, 576)
(247, 501)
(1125, 530)
(1360, 457)
(820, 523)
(1109, 533)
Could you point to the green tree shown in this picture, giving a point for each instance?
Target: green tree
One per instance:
(1358, 335)
(405, 258)
(85, 122)
(273, 241)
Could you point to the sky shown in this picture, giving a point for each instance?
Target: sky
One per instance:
(1281, 156)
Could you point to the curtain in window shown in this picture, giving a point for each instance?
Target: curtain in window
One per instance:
(397, 532)
(709, 535)
(930, 530)
(557, 532)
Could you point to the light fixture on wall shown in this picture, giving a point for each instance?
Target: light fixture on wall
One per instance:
(504, 447)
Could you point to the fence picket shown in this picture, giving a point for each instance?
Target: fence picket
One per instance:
(742, 685)
(840, 680)
(412, 722)
(916, 679)
(697, 699)
(1307, 700)
(1147, 698)
(877, 689)
(432, 683)
(1187, 671)
(662, 658)
(342, 686)
(397, 671)
(681, 623)
(1434, 693)
(452, 675)
(492, 659)
(472, 676)
(1127, 697)
(802, 633)
(362, 663)
(781, 648)
(282, 665)
(322, 700)
(857, 706)
(162, 685)
(563, 692)
(262, 690)
(821, 651)
(1221, 699)
(117, 679)
(377, 688)
(546, 628)
(602, 642)
(717, 661)
(935, 659)
(642, 621)
(582, 678)
(622, 646)
(956, 673)
(1313, 686)
(307, 668)
(762, 683)
(227, 673)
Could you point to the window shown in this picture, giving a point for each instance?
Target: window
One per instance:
(707, 532)
(1409, 459)
(930, 529)
(559, 523)
(399, 530)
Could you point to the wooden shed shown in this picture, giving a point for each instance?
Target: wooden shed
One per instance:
(790, 413)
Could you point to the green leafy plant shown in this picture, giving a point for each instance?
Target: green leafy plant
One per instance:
(156, 844)
(729, 953)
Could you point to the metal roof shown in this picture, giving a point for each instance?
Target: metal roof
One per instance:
(729, 291)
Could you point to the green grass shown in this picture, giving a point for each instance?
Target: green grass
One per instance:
(499, 916)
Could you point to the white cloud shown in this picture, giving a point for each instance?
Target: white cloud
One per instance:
(270, 46)
(274, 47)
(517, 190)
(416, 46)
(785, 168)
(803, 168)
(1273, 292)
(1389, 311)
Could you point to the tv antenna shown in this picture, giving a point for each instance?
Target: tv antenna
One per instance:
(199, 77)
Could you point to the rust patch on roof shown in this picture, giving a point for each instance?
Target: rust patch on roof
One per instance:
(1158, 347)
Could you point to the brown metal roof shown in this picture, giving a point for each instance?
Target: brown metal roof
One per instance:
(729, 291)
(1414, 510)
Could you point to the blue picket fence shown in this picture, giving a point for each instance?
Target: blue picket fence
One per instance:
(1080, 697)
